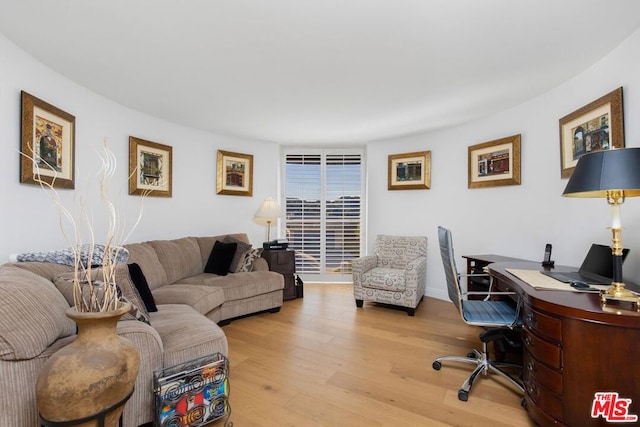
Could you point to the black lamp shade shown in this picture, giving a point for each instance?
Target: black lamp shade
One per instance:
(601, 171)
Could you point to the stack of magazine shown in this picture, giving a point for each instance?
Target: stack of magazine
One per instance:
(194, 393)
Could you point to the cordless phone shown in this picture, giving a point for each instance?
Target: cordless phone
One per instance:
(547, 256)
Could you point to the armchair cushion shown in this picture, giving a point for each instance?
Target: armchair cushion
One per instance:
(398, 252)
(388, 279)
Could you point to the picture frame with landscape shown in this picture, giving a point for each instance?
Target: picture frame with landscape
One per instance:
(597, 126)
(47, 147)
(234, 174)
(409, 171)
(150, 168)
(494, 163)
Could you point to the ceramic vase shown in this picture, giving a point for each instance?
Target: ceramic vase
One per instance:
(95, 374)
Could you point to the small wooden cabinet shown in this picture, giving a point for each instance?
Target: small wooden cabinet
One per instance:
(283, 262)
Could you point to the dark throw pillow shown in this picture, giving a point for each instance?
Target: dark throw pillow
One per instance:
(220, 258)
(140, 282)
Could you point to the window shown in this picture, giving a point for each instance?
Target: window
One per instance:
(324, 211)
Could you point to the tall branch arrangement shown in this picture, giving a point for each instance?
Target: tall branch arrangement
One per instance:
(93, 291)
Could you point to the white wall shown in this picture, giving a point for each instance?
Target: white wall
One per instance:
(512, 220)
(28, 218)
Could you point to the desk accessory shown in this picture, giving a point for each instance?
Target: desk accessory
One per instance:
(546, 261)
(615, 175)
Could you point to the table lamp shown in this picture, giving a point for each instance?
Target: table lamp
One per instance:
(615, 175)
(269, 210)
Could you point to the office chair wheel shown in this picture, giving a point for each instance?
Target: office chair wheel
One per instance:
(523, 403)
(436, 365)
(463, 395)
(472, 355)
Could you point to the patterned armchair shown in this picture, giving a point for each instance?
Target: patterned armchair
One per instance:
(395, 274)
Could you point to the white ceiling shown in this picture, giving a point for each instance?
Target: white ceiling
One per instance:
(318, 71)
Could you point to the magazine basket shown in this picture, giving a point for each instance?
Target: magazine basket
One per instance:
(194, 393)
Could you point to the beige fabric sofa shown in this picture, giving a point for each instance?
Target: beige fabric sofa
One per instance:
(190, 303)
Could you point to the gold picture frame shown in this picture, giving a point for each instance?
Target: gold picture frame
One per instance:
(409, 171)
(234, 174)
(494, 163)
(597, 126)
(47, 147)
(150, 168)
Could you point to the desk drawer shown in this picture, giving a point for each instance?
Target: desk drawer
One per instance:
(546, 401)
(544, 351)
(541, 374)
(543, 324)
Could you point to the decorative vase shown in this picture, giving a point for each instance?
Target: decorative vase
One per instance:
(93, 376)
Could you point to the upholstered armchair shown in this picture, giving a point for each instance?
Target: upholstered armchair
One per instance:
(394, 274)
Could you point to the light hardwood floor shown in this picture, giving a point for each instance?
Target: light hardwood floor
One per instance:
(321, 361)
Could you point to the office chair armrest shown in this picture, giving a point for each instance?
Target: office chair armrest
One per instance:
(479, 275)
(488, 293)
(487, 275)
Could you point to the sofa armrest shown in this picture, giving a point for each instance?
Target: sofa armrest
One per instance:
(140, 407)
(260, 264)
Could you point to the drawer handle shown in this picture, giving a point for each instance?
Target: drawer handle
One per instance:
(530, 320)
(533, 391)
(531, 367)
(528, 341)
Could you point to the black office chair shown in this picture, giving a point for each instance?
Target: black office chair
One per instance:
(499, 318)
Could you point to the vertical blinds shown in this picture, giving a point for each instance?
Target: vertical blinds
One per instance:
(324, 211)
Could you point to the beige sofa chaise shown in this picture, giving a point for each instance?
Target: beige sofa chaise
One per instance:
(190, 303)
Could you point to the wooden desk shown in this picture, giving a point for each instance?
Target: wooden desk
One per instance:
(573, 348)
(476, 264)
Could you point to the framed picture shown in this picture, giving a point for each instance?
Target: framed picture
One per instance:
(409, 171)
(47, 148)
(597, 126)
(495, 163)
(150, 172)
(235, 174)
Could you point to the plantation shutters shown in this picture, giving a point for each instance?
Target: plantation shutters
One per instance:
(324, 211)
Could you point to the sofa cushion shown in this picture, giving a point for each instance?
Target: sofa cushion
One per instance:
(186, 334)
(242, 249)
(145, 256)
(180, 258)
(201, 297)
(240, 285)
(33, 314)
(221, 257)
(64, 283)
(48, 270)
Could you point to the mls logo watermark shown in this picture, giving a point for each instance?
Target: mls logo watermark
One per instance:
(612, 408)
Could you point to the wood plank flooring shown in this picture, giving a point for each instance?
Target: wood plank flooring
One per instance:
(323, 362)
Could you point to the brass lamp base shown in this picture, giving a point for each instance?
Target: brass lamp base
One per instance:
(617, 292)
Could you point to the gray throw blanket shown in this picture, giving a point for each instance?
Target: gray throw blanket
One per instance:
(66, 256)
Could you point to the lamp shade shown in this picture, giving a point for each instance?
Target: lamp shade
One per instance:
(269, 209)
(598, 172)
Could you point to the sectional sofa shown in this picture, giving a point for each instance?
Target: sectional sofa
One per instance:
(190, 305)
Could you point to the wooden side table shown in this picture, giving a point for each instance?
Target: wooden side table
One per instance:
(283, 262)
